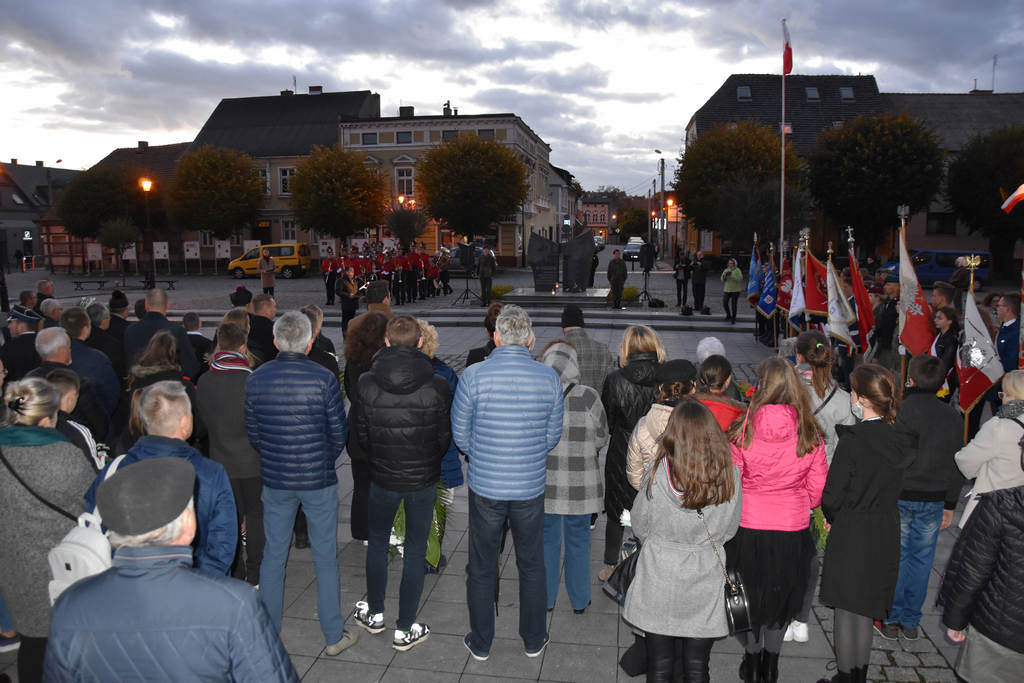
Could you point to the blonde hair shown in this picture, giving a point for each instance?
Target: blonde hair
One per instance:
(1013, 385)
(430, 338)
(239, 316)
(640, 339)
(30, 400)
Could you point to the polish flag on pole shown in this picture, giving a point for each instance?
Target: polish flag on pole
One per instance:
(916, 329)
(977, 363)
(1012, 200)
(787, 51)
(865, 316)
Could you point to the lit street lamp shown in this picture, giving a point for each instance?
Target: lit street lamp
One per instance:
(146, 184)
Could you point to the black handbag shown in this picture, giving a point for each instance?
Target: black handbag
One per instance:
(737, 608)
(622, 576)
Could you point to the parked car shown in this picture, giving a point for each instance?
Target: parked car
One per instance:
(598, 242)
(631, 252)
(938, 264)
(290, 260)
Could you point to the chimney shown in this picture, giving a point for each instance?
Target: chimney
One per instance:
(143, 144)
(316, 90)
(14, 161)
(39, 164)
(286, 93)
(447, 111)
(455, 112)
(406, 112)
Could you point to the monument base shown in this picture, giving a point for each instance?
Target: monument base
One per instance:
(595, 297)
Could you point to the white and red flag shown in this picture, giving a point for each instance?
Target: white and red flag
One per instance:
(865, 316)
(1013, 200)
(840, 315)
(916, 329)
(977, 362)
(787, 51)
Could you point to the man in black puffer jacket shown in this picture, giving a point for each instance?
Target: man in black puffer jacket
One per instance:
(403, 423)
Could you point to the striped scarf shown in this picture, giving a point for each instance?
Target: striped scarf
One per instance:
(230, 361)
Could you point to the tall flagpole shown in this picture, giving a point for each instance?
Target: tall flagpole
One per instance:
(782, 154)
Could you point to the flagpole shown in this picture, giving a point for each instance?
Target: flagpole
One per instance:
(805, 324)
(789, 321)
(973, 261)
(782, 164)
(757, 323)
(771, 269)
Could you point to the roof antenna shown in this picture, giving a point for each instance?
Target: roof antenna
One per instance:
(995, 59)
(294, 86)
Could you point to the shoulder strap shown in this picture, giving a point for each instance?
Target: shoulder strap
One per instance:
(827, 399)
(568, 389)
(34, 494)
(110, 472)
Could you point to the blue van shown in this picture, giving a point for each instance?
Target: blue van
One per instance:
(938, 264)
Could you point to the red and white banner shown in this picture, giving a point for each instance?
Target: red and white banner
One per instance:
(840, 315)
(785, 294)
(816, 287)
(977, 362)
(916, 329)
(787, 51)
(865, 316)
(1013, 200)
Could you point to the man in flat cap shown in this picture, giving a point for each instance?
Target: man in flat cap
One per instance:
(19, 354)
(151, 616)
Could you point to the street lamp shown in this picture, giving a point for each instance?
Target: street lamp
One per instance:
(146, 184)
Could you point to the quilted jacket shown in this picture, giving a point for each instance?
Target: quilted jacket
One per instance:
(643, 444)
(451, 463)
(295, 418)
(152, 618)
(402, 420)
(506, 416)
(992, 458)
(984, 582)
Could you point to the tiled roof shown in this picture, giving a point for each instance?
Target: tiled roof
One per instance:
(957, 118)
(758, 97)
(156, 161)
(31, 184)
(284, 125)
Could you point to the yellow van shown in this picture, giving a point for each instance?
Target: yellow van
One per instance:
(291, 260)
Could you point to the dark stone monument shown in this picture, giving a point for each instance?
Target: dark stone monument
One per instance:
(577, 255)
(542, 256)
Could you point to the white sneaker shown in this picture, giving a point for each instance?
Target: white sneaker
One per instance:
(374, 623)
(788, 638)
(799, 629)
(406, 640)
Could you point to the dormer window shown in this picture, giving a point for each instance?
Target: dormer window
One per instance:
(846, 94)
(812, 94)
(743, 93)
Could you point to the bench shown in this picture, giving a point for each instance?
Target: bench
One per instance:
(151, 284)
(80, 285)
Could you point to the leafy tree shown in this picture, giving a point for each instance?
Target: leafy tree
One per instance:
(861, 171)
(980, 177)
(633, 222)
(116, 234)
(470, 183)
(335, 192)
(605, 192)
(100, 194)
(734, 157)
(406, 224)
(216, 189)
(747, 205)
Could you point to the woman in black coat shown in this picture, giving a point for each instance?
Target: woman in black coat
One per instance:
(946, 343)
(860, 502)
(365, 338)
(627, 395)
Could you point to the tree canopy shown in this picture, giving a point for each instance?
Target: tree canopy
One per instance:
(861, 171)
(633, 222)
(729, 158)
(216, 189)
(335, 192)
(406, 224)
(116, 234)
(469, 183)
(988, 169)
(104, 193)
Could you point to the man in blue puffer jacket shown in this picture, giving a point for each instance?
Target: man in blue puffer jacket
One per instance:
(507, 415)
(295, 419)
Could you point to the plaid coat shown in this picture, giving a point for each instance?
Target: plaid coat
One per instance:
(593, 358)
(574, 479)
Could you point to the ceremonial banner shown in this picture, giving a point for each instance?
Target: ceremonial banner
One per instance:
(839, 313)
(785, 297)
(865, 316)
(816, 287)
(916, 329)
(797, 305)
(977, 363)
(754, 281)
(767, 303)
(787, 51)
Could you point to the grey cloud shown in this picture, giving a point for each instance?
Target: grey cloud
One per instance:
(606, 14)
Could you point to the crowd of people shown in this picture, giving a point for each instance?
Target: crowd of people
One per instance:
(229, 459)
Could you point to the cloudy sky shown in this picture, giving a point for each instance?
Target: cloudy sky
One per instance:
(604, 82)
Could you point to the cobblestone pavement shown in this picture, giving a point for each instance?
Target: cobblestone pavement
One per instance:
(583, 647)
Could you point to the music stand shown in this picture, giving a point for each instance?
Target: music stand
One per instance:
(466, 257)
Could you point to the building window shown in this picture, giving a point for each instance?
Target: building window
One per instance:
(205, 238)
(941, 224)
(743, 93)
(288, 230)
(369, 138)
(262, 173)
(837, 124)
(812, 94)
(486, 133)
(236, 239)
(448, 135)
(286, 175)
(403, 181)
(846, 94)
(403, 137)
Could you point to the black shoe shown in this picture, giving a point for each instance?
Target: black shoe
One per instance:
(768, 667)
(748, 667)
(580, 611)
(301, 541)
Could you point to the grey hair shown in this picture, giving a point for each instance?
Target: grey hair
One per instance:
(292, 332)
(514, 326)
(97, 313)
(51, 340)
(709, 346)
(162, 536)
(162, 405)
(48, 306)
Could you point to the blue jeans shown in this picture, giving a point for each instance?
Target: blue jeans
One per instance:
(919, 532)
(486, 518)
(321, 508)
(577, 557)
(5, 616)
(419, 511)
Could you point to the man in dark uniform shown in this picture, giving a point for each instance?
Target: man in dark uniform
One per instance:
(19, 355)
(118, 306)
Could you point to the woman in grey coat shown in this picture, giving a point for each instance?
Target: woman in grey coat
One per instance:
(574, 487)
(676, 596)
(55, 470)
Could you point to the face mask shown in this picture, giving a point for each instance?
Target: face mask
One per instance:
(857, 410)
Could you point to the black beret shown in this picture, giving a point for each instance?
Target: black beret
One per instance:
(118, 300)
(146, 495)
(676, 371)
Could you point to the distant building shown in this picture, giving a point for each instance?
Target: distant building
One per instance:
(597, 215)
(27, 193)
(566, 203)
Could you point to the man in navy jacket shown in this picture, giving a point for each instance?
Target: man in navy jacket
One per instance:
(137, 335)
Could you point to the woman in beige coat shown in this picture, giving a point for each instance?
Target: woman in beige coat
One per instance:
(267, 269)
(676, 379)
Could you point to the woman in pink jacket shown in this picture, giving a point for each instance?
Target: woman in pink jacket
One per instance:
(781, 456)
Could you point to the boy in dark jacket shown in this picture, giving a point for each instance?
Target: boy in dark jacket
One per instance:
(931, 486)
(403, 423)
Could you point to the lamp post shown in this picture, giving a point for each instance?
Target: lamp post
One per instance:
(146, 184)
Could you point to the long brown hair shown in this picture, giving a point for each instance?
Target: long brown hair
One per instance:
(699, 458)
(778, 383)
(816, 350)
(877, 386)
